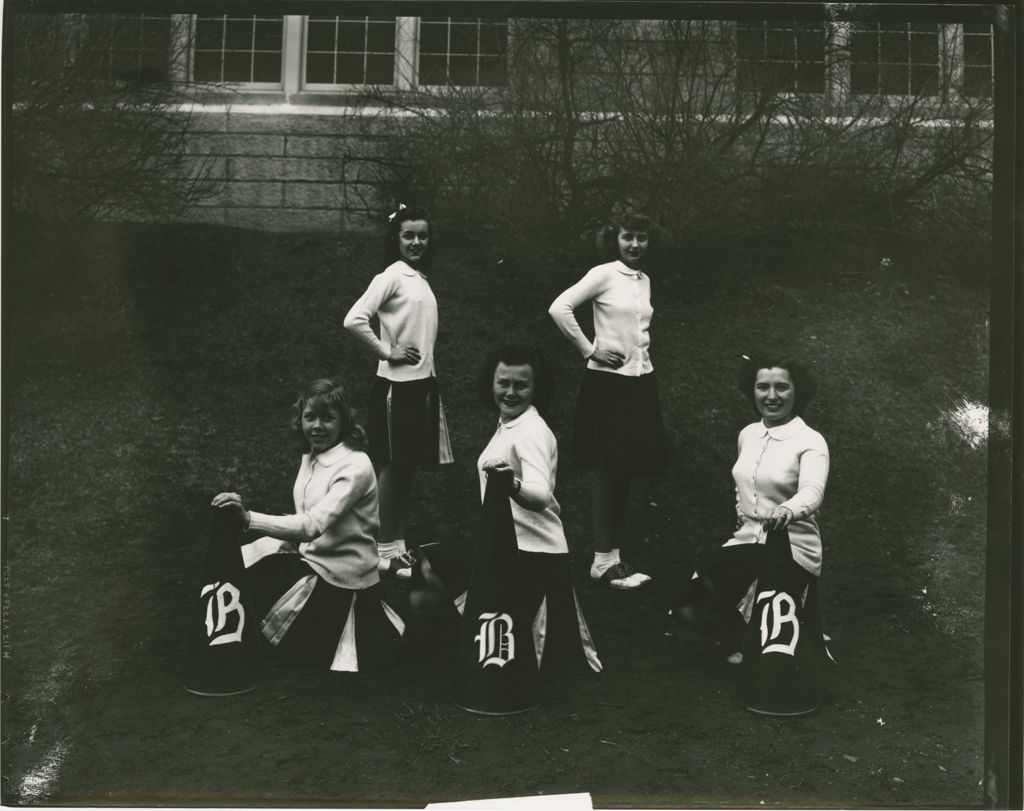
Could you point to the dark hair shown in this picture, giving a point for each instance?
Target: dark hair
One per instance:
(804, 384)
(394, 227)
(324, 395)
(517, 355)
(608, 238)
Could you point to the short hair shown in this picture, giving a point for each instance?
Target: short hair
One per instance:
(394, 228)
(517, 355)
(608, 237)
(324, 395)
(804, 384)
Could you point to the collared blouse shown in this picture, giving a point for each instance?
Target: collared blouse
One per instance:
(621, 299)
(528, 445)
(336, 520)
(782, 466)
(401, 298)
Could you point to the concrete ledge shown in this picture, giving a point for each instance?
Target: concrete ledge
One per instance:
(284, 124)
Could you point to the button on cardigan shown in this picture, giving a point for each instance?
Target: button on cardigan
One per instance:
(783, 466)
(401, 298)
(621, 299)
(336, 518)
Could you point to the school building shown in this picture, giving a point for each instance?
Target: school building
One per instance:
(279, 100)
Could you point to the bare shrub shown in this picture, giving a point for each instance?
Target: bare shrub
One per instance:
(98, 129)
(597, 113)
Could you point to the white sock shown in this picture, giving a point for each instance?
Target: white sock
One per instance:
(603, 561)
(390, 549)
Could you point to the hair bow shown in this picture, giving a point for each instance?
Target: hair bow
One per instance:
(393, 214)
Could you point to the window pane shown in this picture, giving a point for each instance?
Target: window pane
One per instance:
(206, 67)
(433, 37)
(863, 47)
(924, 48)
(350, 69)
(352, 36)
(811, 77)
(381, 37)
(863, 78)
(237, 66)
(269, 35)
(320, 36)
(462, 70)
(238, 35)
(432, 70)
(893, 47)
(208, 33)
(893, 79)
(463, 39)
(977, 82)
(380, 69)
(493, 39)
(492, 71)
(320, 68)
(924, 79)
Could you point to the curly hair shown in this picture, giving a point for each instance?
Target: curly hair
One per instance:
(517, 355)
(608, 238)
(394, 228)
(804, 384)
(322, 396)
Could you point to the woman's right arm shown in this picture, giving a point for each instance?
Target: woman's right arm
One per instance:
(357, 321)
(562, 310)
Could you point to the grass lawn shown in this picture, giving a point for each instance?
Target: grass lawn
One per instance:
(151, 367)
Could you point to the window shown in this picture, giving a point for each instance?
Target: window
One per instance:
(238, 49)
(894, 59)
(978, 60)
(462, 51)
(780, 56)
(350, 50)
(130, 47)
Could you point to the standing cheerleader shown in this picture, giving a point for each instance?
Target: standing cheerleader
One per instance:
(619, 432)
(406, 422)
(310, 570)
(514, 382)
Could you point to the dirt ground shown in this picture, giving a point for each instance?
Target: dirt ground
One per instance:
(135, 395)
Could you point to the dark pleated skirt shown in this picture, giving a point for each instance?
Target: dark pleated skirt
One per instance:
(312, 623)
(406, 423)
(619, 427)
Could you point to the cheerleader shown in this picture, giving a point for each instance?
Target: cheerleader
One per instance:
(406, 420)
(309, 571)
(515, 381)
(618, 432)
(781, 471)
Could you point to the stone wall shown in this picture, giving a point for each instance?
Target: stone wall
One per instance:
(283, 170)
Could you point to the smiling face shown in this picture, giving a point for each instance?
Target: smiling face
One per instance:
(774, 396)
(512, 389)
(321, 427)
(632, 246)
(413, 236)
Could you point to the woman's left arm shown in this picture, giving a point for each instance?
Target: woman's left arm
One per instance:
(810, 491)
(347, 486)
